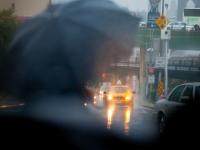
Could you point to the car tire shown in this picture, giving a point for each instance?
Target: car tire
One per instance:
(161, 123)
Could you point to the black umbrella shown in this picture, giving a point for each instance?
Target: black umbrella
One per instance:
(66, 45)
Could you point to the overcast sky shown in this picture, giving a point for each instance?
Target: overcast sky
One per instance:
(133, 5)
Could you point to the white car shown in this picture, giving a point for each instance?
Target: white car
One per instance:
(142, 25)
(176, 100)
(101, 94)
(189, 28)
(178, 26)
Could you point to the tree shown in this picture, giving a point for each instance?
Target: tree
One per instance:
(8, 25)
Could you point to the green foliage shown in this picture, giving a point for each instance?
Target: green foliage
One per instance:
(8, 25)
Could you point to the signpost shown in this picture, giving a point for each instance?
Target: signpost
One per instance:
(162, 22)
(151, 18)
(153, 14)
(154, 3)
(151, 70)
(160, 62)
(151, 79)
(160, 88)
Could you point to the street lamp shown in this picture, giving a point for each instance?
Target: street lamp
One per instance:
(166, 7)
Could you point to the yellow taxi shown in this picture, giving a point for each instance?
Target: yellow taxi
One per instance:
(120, 95)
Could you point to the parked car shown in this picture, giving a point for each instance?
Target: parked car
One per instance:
(100, 95)
(177, 99)
(142, 25)
(178, 26)
(189, 28)
(196, 28)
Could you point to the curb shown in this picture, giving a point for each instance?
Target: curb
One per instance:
(147, 107)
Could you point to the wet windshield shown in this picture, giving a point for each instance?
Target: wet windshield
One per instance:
(63, 61)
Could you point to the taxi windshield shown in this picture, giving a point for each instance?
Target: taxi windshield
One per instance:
(120, 89)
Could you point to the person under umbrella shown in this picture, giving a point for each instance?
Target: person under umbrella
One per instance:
(54, 55)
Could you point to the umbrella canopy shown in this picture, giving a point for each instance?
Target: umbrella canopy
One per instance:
(66, 46)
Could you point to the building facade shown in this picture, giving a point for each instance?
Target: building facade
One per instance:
(25, 8)
(182, 5)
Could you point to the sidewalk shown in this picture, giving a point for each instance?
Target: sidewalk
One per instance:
(147, 103)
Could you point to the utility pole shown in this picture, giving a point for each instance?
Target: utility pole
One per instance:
(162, 22)
(165, 37)
(142, 73)
(163, 7)
(166, 53)
(166, 65)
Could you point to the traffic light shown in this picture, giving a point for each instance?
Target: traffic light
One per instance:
(103, 75)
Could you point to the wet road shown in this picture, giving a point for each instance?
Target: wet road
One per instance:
(143, 125)
(138, 123)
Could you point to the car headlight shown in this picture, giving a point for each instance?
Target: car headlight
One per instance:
(128, 97)
(85, 104)
(110, 97)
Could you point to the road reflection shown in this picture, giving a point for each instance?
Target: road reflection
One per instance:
(127, 119)
(110, 113)
(11, 105)
(118, 115)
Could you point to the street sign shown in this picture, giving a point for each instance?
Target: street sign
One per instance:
(162, 22)
(165, 34)
(154, 2)
(151, 70)
(151, 79)
(119, 82)
(151, 19)
(160, 89)
(160, 62)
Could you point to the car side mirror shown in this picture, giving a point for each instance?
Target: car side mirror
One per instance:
(185, 99)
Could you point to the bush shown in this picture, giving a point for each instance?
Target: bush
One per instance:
(8, 25)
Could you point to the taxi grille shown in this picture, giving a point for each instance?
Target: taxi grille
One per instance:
(119, 98)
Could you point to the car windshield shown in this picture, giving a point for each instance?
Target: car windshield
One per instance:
(119, 89)
(97, 73)
(104, 89)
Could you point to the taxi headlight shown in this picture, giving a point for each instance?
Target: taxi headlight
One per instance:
(128, 98)
(110, 97)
